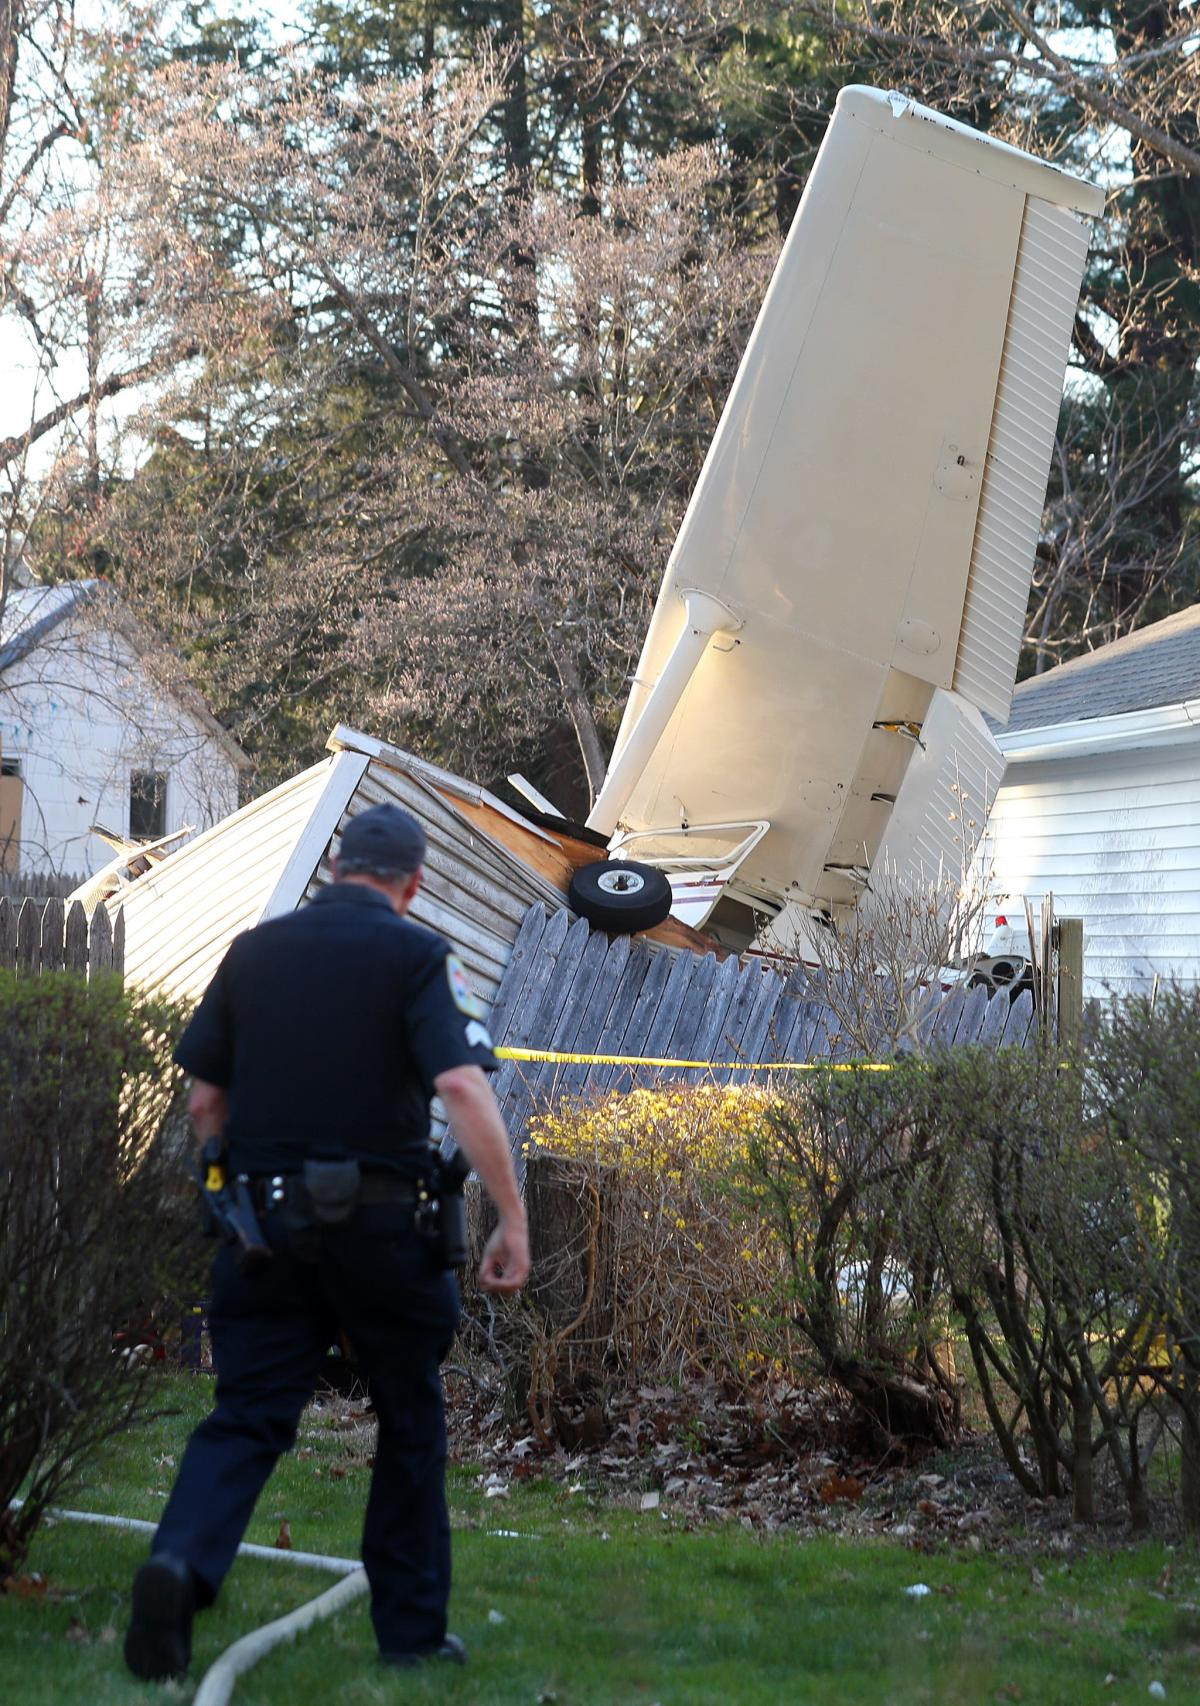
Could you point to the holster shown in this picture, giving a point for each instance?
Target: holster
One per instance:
(325, 1194)
(445, 1228)
(332, 1188)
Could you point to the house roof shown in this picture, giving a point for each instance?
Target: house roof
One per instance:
(31, 613)
(1156, 665)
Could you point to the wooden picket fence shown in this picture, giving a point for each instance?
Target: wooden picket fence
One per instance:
(571, 990)
(37, 885)
(44, 936)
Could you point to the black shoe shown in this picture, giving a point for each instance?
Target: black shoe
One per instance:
(159, 1642)
(453, 1648)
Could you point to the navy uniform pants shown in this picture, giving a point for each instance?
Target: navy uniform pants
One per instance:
(374, 1279)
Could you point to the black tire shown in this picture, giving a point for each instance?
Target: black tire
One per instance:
(1006, 970)
(620, 896)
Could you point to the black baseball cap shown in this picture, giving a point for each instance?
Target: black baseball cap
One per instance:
(383, 840)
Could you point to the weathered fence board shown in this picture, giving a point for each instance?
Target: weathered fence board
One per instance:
(696, 996)
(784, 1016)
(574, 991)
(753, 1045)
(612, 1037)
(729, 1045)
(521, 963)
(76, 943)
(971, 1016)
(638, 1024)
(41, 936)
(29, 937)
(711, 1029)
(612, 972)
(946, 1022)
(994, 1021)
(683, 968)
(23, 885)
(1019, 1024)
(52, 943)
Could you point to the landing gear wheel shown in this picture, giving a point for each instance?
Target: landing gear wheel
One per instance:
(620, 896)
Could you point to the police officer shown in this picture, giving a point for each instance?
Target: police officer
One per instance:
(321, 1040)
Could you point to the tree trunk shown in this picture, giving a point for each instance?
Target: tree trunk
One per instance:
(1083, 1485)
(579, 710)
(1189, 1462)
(900, 1405)
(1137, 1493)
(10, 24)
(510, 38)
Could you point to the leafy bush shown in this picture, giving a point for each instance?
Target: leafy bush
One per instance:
(87, 1242)
(646, 1267)
(1044, 1209)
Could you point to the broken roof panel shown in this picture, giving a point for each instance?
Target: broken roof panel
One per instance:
(483, 869)
(182, 914)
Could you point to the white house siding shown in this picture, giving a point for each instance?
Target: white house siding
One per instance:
(1116, 838)
(182, 915)
(80, 714)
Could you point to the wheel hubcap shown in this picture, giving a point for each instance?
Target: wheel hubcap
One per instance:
(620, 882)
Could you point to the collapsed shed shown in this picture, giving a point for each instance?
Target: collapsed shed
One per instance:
(486, 864)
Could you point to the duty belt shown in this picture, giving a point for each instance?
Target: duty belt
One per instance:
(376, 1185)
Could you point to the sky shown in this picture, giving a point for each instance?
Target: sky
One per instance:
(27, 389)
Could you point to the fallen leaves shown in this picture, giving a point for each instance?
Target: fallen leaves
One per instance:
(783, 1456)
(836, 1487)
(31, 1586)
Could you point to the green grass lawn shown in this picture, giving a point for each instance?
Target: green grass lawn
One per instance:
(596, 1603)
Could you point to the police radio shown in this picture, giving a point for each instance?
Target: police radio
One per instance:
(441, 1216)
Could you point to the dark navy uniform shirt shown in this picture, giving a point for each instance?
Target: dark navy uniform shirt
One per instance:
(327, 1028)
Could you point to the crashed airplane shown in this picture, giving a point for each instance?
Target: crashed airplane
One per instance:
(842, 608)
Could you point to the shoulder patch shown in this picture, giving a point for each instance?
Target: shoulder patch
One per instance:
(477, 1035)
(461, 993)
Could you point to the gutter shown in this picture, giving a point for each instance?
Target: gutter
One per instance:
(1129, 731)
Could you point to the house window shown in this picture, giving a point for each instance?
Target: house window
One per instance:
(10, 767)
(147, 805)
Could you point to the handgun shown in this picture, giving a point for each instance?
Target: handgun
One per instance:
(229, 1209)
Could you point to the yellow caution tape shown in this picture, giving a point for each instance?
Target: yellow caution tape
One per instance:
(559, 1059)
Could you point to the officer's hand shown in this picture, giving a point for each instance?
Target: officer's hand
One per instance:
(505, 1264)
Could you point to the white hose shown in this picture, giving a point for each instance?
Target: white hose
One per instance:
(280, 1554)
(217, 1685)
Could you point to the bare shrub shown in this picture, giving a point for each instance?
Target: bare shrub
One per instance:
(87, 1242)
(1143, 1084)
(1032, 1223)
(881, 966)
(836, 1168)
